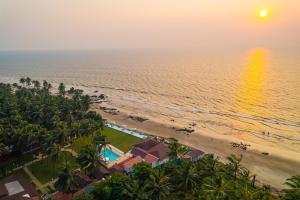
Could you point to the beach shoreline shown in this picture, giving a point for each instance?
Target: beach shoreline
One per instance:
(272, 166)
(271, 162)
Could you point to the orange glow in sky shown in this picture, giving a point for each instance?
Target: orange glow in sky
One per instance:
(94, 24)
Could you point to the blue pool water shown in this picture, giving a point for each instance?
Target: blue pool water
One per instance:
(109, 155)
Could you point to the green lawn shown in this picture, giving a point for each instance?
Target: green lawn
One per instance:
(122, 141)
(15, 162)
(22, 172)
(46, 170)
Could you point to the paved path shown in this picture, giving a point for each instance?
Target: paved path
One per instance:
(70, 151)
(29, 163)
(50, 183)
(32, 177)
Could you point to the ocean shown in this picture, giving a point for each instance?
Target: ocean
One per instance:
(230, 92)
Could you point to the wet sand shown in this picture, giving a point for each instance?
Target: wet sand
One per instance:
(272, 169)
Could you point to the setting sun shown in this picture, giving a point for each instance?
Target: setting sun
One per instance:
(263, 13)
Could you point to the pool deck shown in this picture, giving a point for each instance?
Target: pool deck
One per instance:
(123, 156)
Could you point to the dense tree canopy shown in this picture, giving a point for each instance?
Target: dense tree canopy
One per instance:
(31, 116)
(205, 179)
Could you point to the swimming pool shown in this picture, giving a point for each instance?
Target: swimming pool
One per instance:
(109, 155)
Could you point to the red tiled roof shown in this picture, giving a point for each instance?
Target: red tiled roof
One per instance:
(186, 156)
(195, 152)
(115, 168)
(147, 144)
(160, 150)
(150, 159)
(137, 151)
(134, 160)
(62, 196)
(30, 198)
(152, 147)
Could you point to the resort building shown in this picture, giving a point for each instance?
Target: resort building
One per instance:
(151, 151)
(193, 154)
(128, 164)
(16, 187)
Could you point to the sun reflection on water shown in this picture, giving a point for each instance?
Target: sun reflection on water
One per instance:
(251, 96)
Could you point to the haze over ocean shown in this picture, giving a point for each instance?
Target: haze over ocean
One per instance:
(250, 91)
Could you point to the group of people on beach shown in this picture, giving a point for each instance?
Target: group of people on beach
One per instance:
(240, 145)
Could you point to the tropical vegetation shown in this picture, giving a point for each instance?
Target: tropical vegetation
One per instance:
(34, 118)
(207, 179)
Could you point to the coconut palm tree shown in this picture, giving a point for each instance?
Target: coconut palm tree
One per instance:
(187, 176)
(293, 192)
(135, 191)
(293, 182)
(243, 190)
(28, 81)
(85, 101)
(88, 158)
(54, 153)
(208, 165)
(234, 165)
(61, 133)
(37, 84)
(62, 89)
(22, 81)
(158, 185)
(2, 149)
(46, 86)
(265, 193)
(218, 188)
(100, 140)
(75, 129)
(65, 182)
(176, 149)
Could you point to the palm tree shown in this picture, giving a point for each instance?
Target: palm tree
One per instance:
(2, 149)
(88, 158)
(22, 81)
(247, 176)
(37, 84)
(208, 165)
(54, 153)
(62, 89)
(65, 182)
(46, 86)
(265, 193)
(86, 101)
(244, 190)
(158, 185)
(293, 182)
(100, 140)
(176, 149)
(218, 188)
(134, 190)
(47, 141)
(61, 133)
(28, 81)
(293, 192)
(234, 165)
(75, 129)
(187, 176)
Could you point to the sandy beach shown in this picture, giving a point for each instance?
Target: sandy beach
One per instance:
(272, 169)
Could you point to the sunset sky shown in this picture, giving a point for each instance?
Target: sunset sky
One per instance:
(98, 24)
